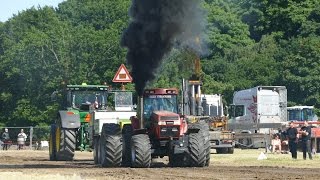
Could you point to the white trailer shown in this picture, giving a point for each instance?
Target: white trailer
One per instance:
(257, 113)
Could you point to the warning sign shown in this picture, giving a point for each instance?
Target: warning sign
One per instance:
(122, 75)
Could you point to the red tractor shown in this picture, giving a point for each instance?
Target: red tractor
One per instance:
(159, 130)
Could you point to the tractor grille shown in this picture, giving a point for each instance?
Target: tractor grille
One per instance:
(163, 118)
(169, 131)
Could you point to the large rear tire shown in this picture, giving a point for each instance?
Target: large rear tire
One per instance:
(140, 151)
(111, 146)
(197, 152)
(67, 144)
(52, 143)
(204, 131)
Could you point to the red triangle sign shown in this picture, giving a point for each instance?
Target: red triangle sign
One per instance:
(122, 75)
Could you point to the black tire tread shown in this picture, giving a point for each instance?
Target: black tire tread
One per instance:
(204, 131)
(113, 151)
(197, 152)
(142, 148)
(67, 144)
(112, 145)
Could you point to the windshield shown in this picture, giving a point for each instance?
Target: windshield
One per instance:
(159, 103)
(96, 98)
(300, 115)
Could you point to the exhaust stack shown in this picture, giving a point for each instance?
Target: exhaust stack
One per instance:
(141, 112)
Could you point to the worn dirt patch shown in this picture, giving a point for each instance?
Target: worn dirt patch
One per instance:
(29, 164)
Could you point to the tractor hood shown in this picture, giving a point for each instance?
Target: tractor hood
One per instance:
(166, 115)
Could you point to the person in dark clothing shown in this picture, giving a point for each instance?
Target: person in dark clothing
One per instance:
(306, 140)
(5, 139)
(292, 134)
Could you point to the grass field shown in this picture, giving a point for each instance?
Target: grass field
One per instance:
(248, 157)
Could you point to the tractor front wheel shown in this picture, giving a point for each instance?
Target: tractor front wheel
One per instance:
(111, 146)
(65, 144)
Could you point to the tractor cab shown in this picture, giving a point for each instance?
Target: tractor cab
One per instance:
(159, 102)
(84, 97)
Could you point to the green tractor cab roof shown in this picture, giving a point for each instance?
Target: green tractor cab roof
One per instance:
(87, 87)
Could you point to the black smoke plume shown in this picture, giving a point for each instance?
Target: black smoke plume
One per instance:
(155, 27)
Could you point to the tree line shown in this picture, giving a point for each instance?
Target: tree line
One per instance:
(249, 43)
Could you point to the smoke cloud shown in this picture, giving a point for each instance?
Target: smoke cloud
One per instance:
(156, 26)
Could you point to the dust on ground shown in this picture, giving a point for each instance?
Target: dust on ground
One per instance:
(31, 164)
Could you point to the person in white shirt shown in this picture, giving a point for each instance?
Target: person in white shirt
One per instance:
(22, 137)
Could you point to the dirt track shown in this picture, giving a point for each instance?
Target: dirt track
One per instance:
(35, 165)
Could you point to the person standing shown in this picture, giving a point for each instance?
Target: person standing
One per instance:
(306, 140)
(5, 139)
(22, 137)
(292, 134)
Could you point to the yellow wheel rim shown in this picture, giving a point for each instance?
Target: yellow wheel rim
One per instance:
(58, 138)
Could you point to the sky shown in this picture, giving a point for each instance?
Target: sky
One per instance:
(10, 7)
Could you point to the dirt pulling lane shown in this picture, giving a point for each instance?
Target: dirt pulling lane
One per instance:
(36, 163)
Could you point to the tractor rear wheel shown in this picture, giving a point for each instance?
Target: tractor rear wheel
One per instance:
(140, 151)
(52, 143)
(204, 131)
(111, 146)
(65, 144)
(197, 152)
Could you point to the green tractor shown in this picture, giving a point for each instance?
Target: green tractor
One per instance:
(72, 129)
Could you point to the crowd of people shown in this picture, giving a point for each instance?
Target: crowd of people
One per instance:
(7, 142)
(292, 136)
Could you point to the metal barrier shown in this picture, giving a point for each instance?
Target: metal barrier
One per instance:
(35, 136)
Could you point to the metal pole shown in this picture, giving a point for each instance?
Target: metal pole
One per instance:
(183, 98)
(31, 135)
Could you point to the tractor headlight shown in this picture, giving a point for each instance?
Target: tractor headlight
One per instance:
(163, 129)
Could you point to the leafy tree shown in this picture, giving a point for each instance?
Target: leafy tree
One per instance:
(288, 17)
(226, 31)
(300, 67)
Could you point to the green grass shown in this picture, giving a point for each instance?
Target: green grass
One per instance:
(248, 157)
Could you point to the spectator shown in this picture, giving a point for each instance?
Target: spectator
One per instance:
(306, 140)
(5, 139)
(292, 134)
(276, 144)
(22, 137)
